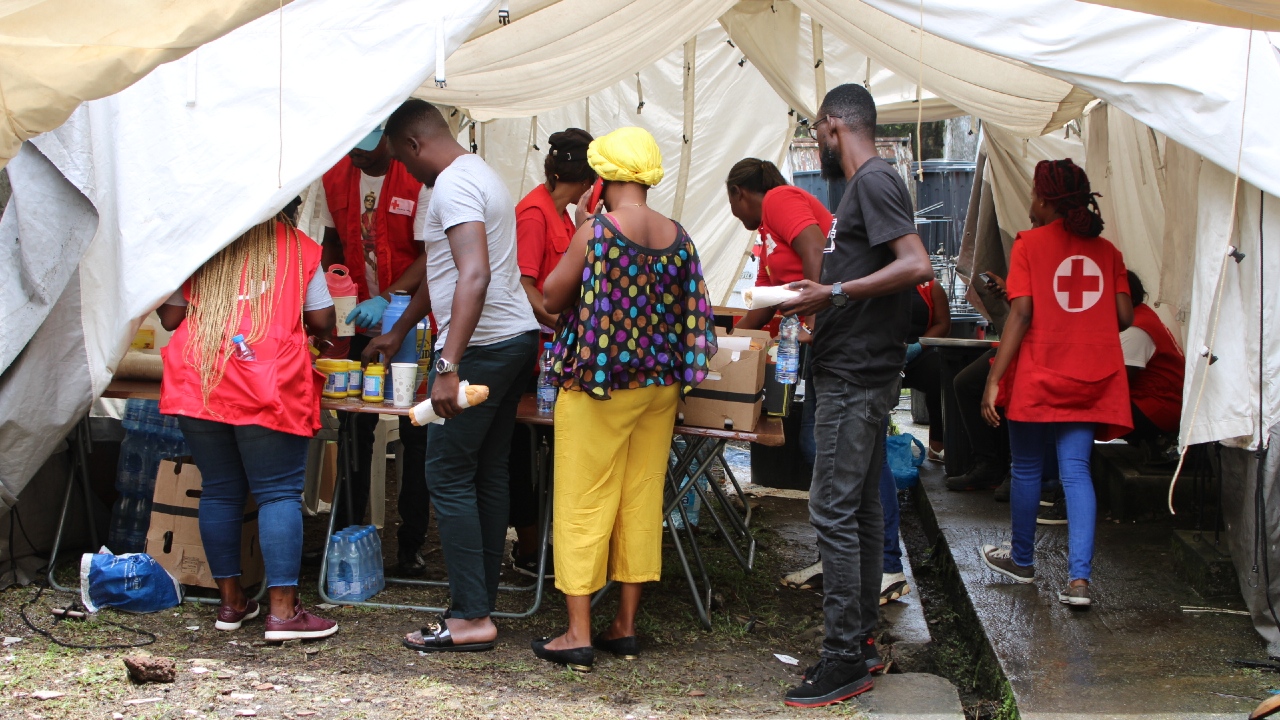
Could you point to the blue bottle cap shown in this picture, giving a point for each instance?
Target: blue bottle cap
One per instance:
(237, 339)
(546, 346)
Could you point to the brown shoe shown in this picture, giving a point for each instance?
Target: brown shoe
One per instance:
(230, 619)
(302, 626)
(1000, 559)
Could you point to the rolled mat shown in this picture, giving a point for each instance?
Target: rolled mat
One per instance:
(140, 366)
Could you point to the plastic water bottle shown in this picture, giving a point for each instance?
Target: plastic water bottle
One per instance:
(546, 390)
(352, 570)
(788, 365)
(242, 350)
(337, 582)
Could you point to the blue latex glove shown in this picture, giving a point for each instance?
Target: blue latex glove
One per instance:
(368, 313)
(913, 350)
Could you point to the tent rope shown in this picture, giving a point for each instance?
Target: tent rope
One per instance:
(530, 147)
(1207, 351)
(920, 101)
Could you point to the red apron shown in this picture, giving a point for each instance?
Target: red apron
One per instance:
(1069, 367)
(280, 389)
(1157, 388)
(395, 247)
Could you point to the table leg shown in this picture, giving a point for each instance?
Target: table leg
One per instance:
(77, 475)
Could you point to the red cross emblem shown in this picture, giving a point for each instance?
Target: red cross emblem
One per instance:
(1077, 283)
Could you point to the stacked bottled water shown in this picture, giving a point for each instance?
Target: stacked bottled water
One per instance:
(691, 501)
(355, 564)
(149, 438)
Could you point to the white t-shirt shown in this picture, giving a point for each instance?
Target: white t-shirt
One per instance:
(470, 191)
(318, 297)
(1137, 347)
(370, 189)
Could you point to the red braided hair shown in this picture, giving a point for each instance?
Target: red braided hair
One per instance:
(1064, 185)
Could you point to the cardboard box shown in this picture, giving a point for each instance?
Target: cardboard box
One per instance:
(733, 393)
(174, 537)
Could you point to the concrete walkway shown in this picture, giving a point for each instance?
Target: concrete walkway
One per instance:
(1135, 654)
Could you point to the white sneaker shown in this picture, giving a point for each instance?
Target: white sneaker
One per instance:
(893, 586)
(809, 578)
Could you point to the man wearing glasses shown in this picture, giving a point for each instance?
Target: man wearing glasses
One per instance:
(873, 258)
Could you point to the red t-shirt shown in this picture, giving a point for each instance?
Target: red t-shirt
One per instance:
(540, 241)
(784, 214)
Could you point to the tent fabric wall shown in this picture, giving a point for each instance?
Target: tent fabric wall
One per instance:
(1188, 82)
(986, 84)
(721, 137)
(1257, 14)
(172, 181)
(56, 54)
(564, 52)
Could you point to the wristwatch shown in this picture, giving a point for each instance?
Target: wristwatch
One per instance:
(444, 366)
(838, 298)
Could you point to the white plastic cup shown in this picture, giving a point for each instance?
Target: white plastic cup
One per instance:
(404, 377)
(342, 306)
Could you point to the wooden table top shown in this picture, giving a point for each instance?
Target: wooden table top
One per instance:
(768, 430)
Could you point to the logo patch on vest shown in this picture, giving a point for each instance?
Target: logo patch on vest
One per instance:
(1077, 283)
(400, 206)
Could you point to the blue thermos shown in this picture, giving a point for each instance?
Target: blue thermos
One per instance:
(408, 352)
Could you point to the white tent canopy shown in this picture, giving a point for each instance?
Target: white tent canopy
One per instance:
(180, 163)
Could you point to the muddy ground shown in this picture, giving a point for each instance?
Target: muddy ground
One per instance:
(363, 672)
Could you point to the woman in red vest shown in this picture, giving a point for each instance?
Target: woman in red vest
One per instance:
(1059, 372)
(238, 373)
(1155, 365)
(543, 231)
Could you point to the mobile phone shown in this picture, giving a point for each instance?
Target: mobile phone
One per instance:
(985, 277)
(596, 191)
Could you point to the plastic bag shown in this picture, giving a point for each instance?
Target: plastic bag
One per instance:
(906, 455)
(134, 582)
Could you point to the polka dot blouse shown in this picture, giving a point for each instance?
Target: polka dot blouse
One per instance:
(642, 317)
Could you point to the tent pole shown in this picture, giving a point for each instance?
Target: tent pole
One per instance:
(820, 67)
(686, 149)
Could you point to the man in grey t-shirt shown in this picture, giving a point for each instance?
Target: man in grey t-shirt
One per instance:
(488, 336)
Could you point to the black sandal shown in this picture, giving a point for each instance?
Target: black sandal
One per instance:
(437, 638)
(580, 659)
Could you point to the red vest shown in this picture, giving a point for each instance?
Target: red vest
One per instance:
(1069, 367)
(395, 247)
(279, 390)
(1157, 388)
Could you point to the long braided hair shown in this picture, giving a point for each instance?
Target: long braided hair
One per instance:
(244, 272)
(1065, 186)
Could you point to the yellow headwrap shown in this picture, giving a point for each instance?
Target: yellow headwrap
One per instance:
(628, 154)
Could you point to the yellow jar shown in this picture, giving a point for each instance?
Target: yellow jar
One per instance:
(335, 377)
(355, 378)
(374, 383)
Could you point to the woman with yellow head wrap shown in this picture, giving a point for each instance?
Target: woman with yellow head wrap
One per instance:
(635, 333)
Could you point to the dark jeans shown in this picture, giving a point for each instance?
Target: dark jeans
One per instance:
(414, 502)
(467, 461)
(236, 460)
(844, 507)
(989, 444)
(925, 374)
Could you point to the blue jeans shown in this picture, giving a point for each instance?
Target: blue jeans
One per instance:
(1074, 444)
(236, 460)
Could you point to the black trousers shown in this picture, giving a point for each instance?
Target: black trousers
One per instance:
(414, 501)
(925, 374)
(988, 443)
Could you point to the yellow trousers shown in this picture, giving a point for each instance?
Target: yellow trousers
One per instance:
(610, 468)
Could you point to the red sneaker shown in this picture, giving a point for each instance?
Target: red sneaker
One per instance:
(302, 626)
(229, 619)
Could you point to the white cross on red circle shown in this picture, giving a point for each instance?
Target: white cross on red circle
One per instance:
(1077, 283)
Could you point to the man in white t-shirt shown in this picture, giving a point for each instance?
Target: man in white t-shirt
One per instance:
(488, 336)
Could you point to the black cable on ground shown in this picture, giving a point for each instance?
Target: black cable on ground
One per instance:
(150, 637)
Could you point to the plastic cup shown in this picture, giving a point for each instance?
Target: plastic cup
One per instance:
(343, 307)
(404, 378)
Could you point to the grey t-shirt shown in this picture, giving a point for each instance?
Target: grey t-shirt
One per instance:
(864, 342)
(470, 191)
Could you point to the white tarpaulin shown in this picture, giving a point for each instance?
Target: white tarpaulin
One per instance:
(56, 54)
(1257, 14)
(176, 174)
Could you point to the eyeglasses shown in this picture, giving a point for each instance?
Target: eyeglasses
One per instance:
(813, 129)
